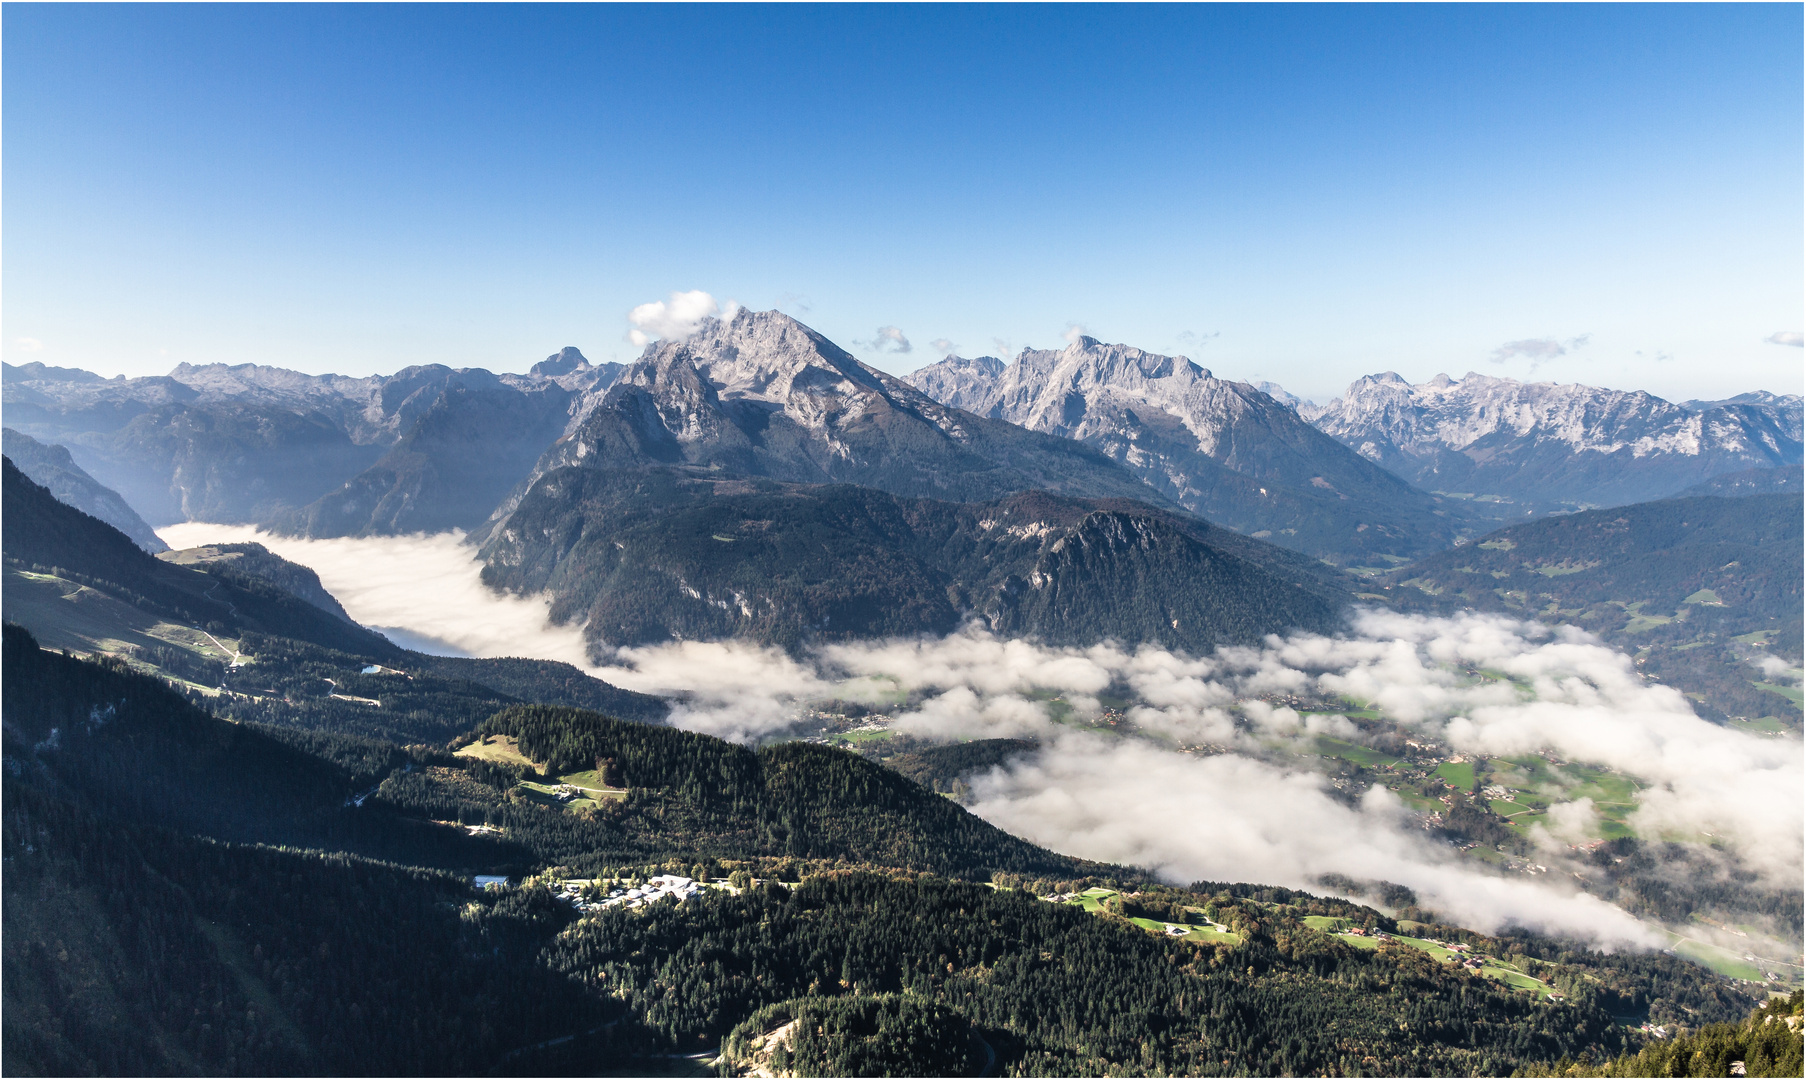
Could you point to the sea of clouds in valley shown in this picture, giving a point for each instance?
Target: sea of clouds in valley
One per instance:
(1242, 815)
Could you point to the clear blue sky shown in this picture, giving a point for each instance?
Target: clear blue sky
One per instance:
(1305, 194)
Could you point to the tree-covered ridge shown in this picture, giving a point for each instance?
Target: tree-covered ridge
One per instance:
(696, 794)
(1745, 550)
(1768, 1043)
(945, 768)
(125, 744)
(300, 663)
(657, 554)
(869, 1035)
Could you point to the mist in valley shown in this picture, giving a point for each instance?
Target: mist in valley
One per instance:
(1213, 787)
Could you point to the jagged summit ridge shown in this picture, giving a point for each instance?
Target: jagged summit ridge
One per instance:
(1221, 448)
(762, 395)
(1556, 442)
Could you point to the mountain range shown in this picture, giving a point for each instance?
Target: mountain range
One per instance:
(253, 444)
(754, 479)
(242, 839)
(1513, 448)
(1224, 450)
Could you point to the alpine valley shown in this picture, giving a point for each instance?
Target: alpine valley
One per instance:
(1085, 714)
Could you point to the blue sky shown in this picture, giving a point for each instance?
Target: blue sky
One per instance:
(1302, 194)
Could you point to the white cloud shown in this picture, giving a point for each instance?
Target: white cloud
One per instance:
(28, 344)
(676, 318)
(1232, 818)
(887, 339)
(943, 346)
(423, 592)
(1537, 349)
(1786, 337)
(1073, 333)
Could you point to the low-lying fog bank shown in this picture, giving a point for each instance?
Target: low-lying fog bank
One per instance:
(1480, 685)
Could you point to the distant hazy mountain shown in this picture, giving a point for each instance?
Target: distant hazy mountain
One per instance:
(1782, 481)
(457, 461)
(653, 555)
(762, 395)
(52, 467)
(1528, 447)
(1223, 449)
(249, 443)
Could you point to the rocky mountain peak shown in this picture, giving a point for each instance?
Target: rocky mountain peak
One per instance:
(563, 362)
(763, 356)
(962, 382)
(1224, 449)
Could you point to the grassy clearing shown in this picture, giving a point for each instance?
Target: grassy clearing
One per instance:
(1459, 774)
(1360, 755)
(1562, 570)
(1704, 596)
(591, 781)
(1762, 725)
(1723, 961)
(1640, 622)
(860, 736)
(501, 749)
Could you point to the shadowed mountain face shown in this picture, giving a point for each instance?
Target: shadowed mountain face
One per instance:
(449, 471)
(1222, 449)
(52, 467)
(1518, 448)
(662, 554)
(40, 532)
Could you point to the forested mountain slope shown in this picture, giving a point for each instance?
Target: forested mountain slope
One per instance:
(1768, 1043)
(694, 796)
(664, 554)
(1222, 449)
(227, 619)
(135, 951)
(1676, 581)
(52, 467)
(42, 536)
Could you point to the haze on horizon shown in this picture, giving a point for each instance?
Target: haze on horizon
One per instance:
(1607, 195)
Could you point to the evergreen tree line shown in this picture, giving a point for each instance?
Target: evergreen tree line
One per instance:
(1059, 992)
(1768, 1043)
